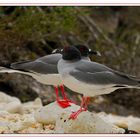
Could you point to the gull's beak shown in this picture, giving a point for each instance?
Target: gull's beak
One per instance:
(55, 50)
(94, 53)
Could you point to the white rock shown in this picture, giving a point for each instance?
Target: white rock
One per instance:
(129, 122)
(36, 128)
(4, 113)
(3, 126)
(20, 122)
(13, 107)
(30, 107)
(85, 123)
(49, 113)
(4, 98)
(9, 104)
(135, 126)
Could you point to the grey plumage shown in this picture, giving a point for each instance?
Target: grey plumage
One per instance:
(43, 65)
(95, 73)
(43, 69)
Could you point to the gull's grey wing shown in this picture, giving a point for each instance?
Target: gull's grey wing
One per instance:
(104, 78)
(34, 66)
(90, 67)
(50, 59)
(43, 65)
(95, 73)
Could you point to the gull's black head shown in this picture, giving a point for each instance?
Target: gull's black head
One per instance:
(71, 53)
(85, 51)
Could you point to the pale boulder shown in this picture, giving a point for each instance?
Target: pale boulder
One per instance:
(9, 104)
(86, 122)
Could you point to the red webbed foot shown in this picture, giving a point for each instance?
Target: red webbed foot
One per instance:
(70, 101)
(64, 95)
(63, 103)
(74, 115)
(82, 108)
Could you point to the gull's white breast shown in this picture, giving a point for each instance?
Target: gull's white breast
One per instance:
(47, 79)
(85, 88)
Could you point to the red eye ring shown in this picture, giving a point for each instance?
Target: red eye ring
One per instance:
(82, 49)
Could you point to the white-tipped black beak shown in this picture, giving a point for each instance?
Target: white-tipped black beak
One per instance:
(94, 52)
(55, 50)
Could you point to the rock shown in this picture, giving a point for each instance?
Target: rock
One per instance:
(6, 98)
(22, 123)
(3, 126)
(129, 122)
(49, 113)
(135, 125)
(38, 128)
(13, 107)
(86, 122)
(9, 104)
(4, 113)
(30, 107)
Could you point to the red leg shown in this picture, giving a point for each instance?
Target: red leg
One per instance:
(64, 94)
(86, 101)
(56, 93)
(83, 107)
(61, 103)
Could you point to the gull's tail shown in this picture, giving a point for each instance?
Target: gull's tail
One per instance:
(10, 70)
(128, 81)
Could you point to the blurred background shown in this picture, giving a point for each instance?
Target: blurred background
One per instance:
(31, 32)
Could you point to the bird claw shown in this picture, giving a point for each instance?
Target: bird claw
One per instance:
(63, 103)
(70, 101)
(74, 115)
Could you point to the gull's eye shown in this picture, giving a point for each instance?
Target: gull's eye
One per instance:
(66, 49)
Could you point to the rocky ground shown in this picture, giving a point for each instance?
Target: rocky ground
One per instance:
(33, 117)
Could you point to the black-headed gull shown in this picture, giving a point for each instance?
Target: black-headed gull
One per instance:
(90, 78)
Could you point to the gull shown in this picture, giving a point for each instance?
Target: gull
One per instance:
(90, 78)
